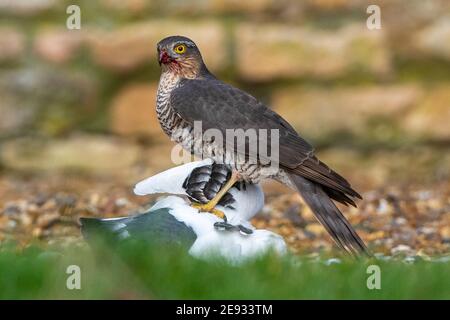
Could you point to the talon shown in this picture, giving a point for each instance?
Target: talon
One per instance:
(219, 226)
(207, 208)
(210, 206)
(244, 230)
(224, 226)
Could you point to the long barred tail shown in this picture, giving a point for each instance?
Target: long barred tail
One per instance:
(329, 216)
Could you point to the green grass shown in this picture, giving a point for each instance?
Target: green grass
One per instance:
(137, 271)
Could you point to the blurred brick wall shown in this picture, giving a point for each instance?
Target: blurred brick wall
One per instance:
(314, 61)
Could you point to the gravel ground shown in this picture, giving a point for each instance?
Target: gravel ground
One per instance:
(394, 220)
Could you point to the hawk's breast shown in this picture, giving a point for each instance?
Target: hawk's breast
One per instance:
(183, 133)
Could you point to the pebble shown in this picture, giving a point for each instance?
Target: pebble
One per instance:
(121, 202)
(332, 261)
(12, 210)
(402, 249)
(35, 207)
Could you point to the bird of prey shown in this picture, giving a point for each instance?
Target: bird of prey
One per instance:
(188, 93)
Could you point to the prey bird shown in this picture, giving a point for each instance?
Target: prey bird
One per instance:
(188, 93)
(172, 221)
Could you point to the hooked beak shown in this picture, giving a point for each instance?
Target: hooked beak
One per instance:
(164, 57)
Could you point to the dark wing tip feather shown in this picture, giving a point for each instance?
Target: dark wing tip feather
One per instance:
(339, 196)
(317, 171)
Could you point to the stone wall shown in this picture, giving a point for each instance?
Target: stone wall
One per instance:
(314, 61)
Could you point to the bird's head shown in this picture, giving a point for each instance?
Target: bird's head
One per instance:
(180, 55)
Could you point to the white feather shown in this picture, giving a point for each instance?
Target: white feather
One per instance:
(169, 181)
(247, 204)
(236, 247)
(232, 246)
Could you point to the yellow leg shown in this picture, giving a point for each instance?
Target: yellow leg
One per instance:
(201, 207)
(210, 206)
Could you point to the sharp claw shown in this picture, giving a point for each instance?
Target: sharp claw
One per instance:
(219, 226)
(224, 226)
(244, 230)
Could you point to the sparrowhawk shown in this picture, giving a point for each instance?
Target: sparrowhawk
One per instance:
(188, 92)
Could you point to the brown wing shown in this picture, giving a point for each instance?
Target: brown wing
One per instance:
(221, 106)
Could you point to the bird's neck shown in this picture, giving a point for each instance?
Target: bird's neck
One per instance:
(171, 78)
(186, 70)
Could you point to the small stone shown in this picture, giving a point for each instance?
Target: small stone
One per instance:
(37, 232)
(331, 261)
(65, 204)
(32, 209)
(445, 232)
(423, 255)
(409, 259)
(293, 213)
(45, 220)
(400, 221)
(375, 235)
(12, 210)
(40, 199)
(381, 256)
(63, 200)
(384, 207)
(94, 199)
(315, 228)
(424, 195)
(426, 230)
(402, 249)
(122, 202)
(11, 225)
(309, 235)
(49, 205)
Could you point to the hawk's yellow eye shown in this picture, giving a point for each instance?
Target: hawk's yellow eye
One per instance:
(181, 48)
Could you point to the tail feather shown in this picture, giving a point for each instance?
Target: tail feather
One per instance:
(329, 216)
(339, 196)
